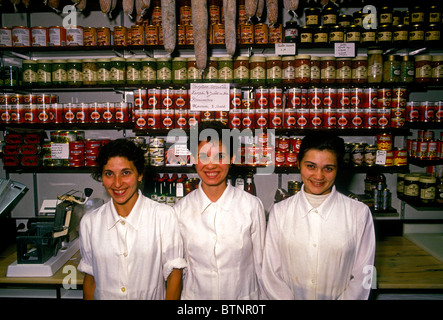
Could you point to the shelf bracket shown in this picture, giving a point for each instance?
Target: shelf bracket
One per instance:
(21, 56)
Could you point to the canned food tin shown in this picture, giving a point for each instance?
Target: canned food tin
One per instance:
(400, 157)
(156, 142)
(357, 154)
(369, 155)
(90, 36)
(39, 36)
(157, 161)
(103, 36)
(120, 36)
(5, 37)
(384, 141)
(21, 36)
(57, 36)
(74, 36)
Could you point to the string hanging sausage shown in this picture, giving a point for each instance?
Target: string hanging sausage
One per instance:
(200, 30)
(169, 23)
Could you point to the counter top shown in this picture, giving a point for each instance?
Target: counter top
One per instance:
(400, 264)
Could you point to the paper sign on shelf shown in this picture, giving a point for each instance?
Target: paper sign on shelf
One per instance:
(60, 151)
(282, 49)
(344, 50)
(380, 157)
(209, 96)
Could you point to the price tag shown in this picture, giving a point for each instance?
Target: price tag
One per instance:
(344, 50)
(282, 49)
(380, 157)
(60, 151)
(209, 96)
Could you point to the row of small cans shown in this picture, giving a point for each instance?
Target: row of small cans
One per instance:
(425, 149)
(424, 111)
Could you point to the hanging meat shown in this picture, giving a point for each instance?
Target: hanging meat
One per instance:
(169, 23)
(290, 5)
(230, 12)
(81, 5)
(260, 7)
(128, 7)
(250, 8)
(272, 10)
(200, 29)
(105, 6)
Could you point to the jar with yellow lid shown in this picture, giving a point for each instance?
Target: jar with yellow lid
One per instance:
(241, 69)
(179, 70)
(427, 186)
(411, 187)
(375, 66)
(273, 70)
(391, 69)
(44, 72)
(225, 69)
(257, 67)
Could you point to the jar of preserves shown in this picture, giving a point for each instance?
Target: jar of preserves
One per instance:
(427, 187)
(400, 34)
(257, 67)
(359, 70)
(397, 18)
(10, 76)
(312, 16)
(118, 70)
(210, 74)
(385, 15)
(336, 34)
(343, 71)
(133, 71)
(357, 18)
(164, 70)
(29, 72)
(400, 184)
(411, 187)
(194, 75)
(391, 69)
(321, 35)
(417, 33)
(417, 15)
(74, 71)
(89, 70)
(302, 68)
(291, 32)
(241, 69)
(148, 70)
(306, 34)
(329, 15)
(384, 34)
(423, 68)
(375, 66)
(327, 72)
(437, 69)
(103, 71)
(273, 70)
(225, 69)
(59, 75)
(368, 36)
(345, 20)
(407, 70)
(179, 70)
(44, 72)
(315, 70)
(288, 69)
(433, 32)
(434, 14)
(353, 34)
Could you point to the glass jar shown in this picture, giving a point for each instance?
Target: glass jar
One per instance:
(434, 14)
(400, 184)
(400, 34)
(149, 70)
(312, 16)
(375, 66)
(10, 76)
(241, 69)
(118, 70)
(306, 34)
(417, 15)
(329, 15)
(29, 72)
(273, 70)
(353, 35)
(407, 70)
(103, 71)
(417, 33)
(423, 68)
(433, 33)
(357, 18)
(179, 70)
(391, 69)
(89, 70)
(302, 68)
(291, 32)
(44, 71)
(345, 20)
(133, 71)
(427, 185)
(288, 69)
(327, 72)
(210, 73)
(336, 34)
(359, 70)
(194, 75)
(257, 67)
(225, 69)
(74, 71)
(437, 69)
(315, 70)
(343, 72)
(321, 35)
(397, 18)
(368, 36)
(411, 187)
(164, 70)
(59, 75)
(384, 34)
(385, 15)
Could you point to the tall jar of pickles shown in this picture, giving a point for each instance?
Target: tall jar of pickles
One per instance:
(164, 70)
(74, 72)
(89, 68)
(59, 75)
(133, 70)
(103, 71)
(44, 72)
(29, 72)
(118, 70)
(148, 70)
(225, 69)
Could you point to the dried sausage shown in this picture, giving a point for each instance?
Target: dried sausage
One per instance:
(230, 11)
(250, 7)
(128, 7)
(105, 6)
(200, 29)
(272, 10)
(169, 23)
(81, 5)
(290, 5)
(260, 7)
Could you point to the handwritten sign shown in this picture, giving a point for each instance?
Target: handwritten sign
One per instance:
(344, 50)
(60, 151)
(282, 49)
(209, 96)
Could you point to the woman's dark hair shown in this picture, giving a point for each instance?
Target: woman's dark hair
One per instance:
(119, 148)
(323, 140)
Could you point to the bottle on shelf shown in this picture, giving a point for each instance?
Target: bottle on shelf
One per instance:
(240, 182)
(250, 186)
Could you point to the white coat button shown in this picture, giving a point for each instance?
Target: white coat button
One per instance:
(123, 289)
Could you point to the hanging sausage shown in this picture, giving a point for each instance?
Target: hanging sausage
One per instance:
(200, 29)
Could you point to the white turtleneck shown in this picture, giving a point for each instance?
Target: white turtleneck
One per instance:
(316, 200)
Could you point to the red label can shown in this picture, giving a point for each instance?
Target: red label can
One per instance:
(167, 98)
(302, 116)
(343, 118)
(384, 93)
(293, 98)
(108, 112)
(370, 98)
(30, 113)
(371, 118)
(235, 118)
(356, 116)
(261, 118)
(153, 98)
(282, 144)
(422, 150)
(280, 159)
(43, 113)
(235, 98)
(248, 118)
(153, 119)
(275, 98)
(57, 108)
(167, 118)
(69, 111)
(316, 117)
(82, 113)
(275, 118)
(181, 119)
(289, 118)
(329, 98)
(438, 111)
(356, 97)
(412, 111)
(94, 112)
(181, 99)
(141, 119)
(329, 118)
(140, 98)
(315, 97)
(262, 97)
(343, 98)
(384, 117)
(122, 112)
(427, 111)
(193, 118)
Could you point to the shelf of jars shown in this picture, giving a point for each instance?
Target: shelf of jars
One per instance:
(425, 162)
(418, 205)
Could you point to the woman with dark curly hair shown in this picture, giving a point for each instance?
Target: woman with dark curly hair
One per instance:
(130, 245)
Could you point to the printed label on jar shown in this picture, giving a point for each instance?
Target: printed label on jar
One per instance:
(304, 71)
(148, 73)
(117, 74)
(242, 72)
(74, 75)
(132, 74)
(29, 76)
(375, 70)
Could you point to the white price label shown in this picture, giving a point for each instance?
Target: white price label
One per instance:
(60, 151)
(209, 96)
(344, 50)
(380, 157)
(282, 49)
